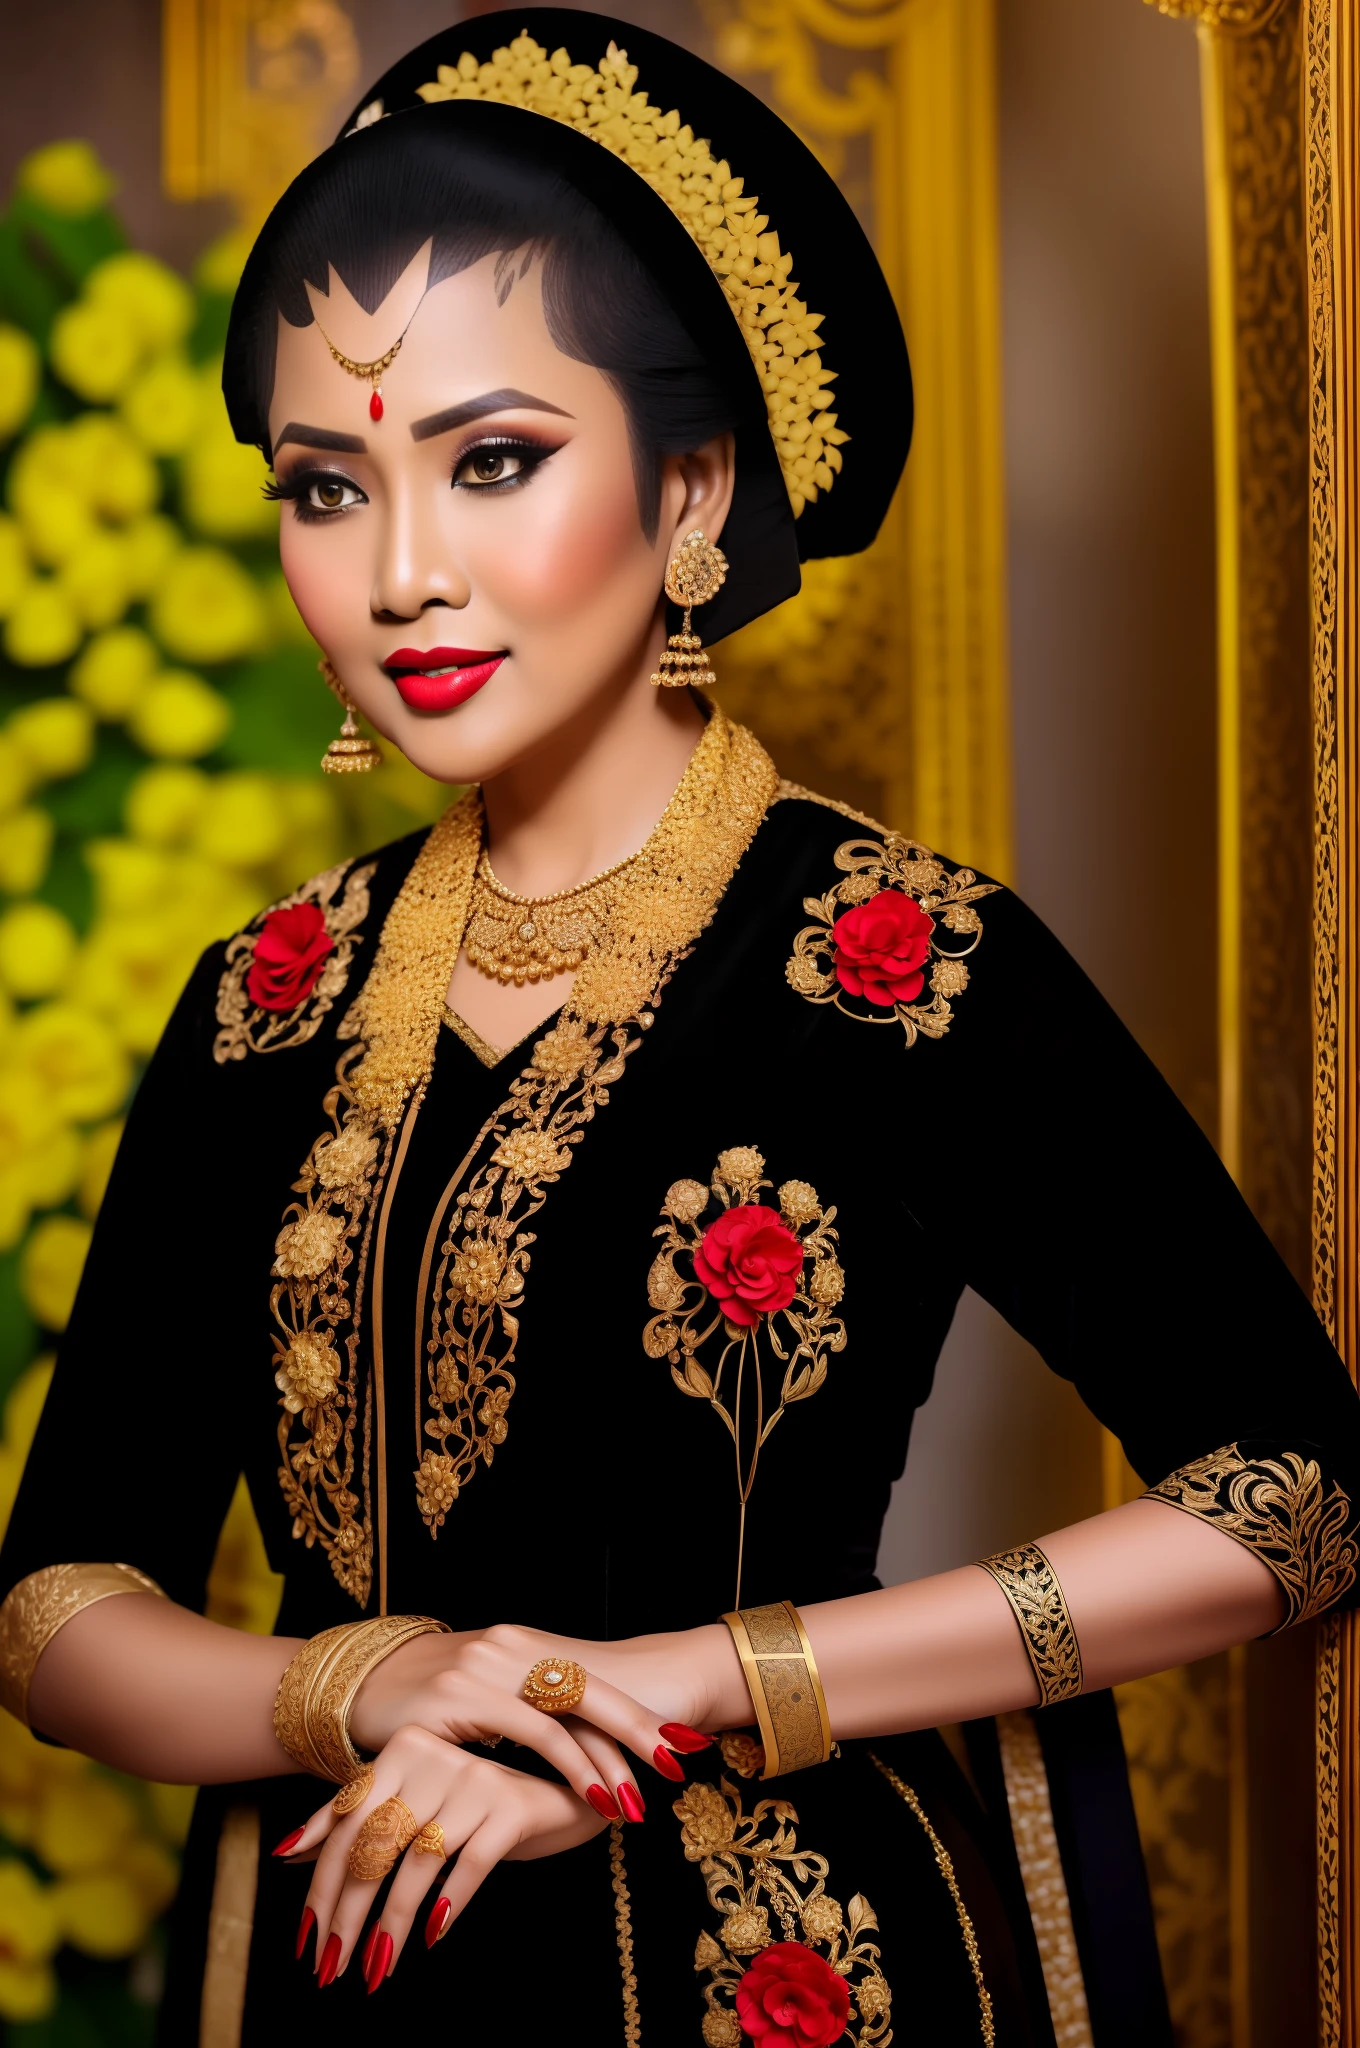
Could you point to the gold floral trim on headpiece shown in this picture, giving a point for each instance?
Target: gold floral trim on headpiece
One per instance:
(734, 237)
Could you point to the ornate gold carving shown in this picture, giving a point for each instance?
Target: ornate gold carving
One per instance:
(314, 1696)
(489, 1055)
(753, 1867)
(383, 1835)
(1331, 1865)
(623, 1935)
(799, 1336)
(1036, 1849)
(1031, 1585)
(248, 1029)
(1233, 17)
(38, 1606)
(945, 1864)
(946, 897)
(786, 1691)
(1276, 1507)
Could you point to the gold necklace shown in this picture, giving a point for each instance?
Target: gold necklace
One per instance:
(513, 938)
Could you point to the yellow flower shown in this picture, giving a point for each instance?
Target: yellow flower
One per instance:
(161, 405)
(96, 1166)
(131, 970)
(29, 1933)
(43, 628)
(152, 1872)
(242, 822)
(95, 579)
(179, 717)
(284, 616)
(308, 1371)
(56, 734)
(67, 178)
(218, 269)
(74, 1060)
(159, 304)
(222, 482)
(16, 774)
(107, 463)
(83, 1825)
(164, 802)
(20, 371)
(173, 1805)
(49, 1273)
(39, 1156)
(25, 848)
(242, 1593)
(95, 349)
(103, 1914)
(208, 608)
(114, 668)
(37, 947)
(14, 569)
(151, 543)
(49, 494)
(129, 877)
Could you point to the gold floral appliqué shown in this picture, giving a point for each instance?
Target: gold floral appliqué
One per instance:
(947, 897)
(246, 1028)
(800, 1338)
(765, 1888)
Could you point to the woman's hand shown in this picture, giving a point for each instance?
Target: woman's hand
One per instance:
(468, 1688)
(488, 1814)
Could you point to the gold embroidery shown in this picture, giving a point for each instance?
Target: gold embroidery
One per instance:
(1031, 1585)
(1276, 1507)
(623, 1934)
(38, 1606)
(790, 792)
(489, 1055)
(1041, 1871)
(248, 1029)
(753, 1867)
(945, 1864)
(946, 898)
(800, 1336)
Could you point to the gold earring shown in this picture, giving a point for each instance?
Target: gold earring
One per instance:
(349, 753)
(696, 573)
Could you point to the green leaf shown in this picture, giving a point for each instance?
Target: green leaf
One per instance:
(283, 718)
(18, 1331)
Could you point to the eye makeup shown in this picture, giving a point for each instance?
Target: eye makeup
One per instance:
(317, 494)
(484, 465)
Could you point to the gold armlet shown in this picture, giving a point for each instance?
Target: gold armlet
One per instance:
(44, 1602)
(786, 1690)
(1030, 1583)
(316, 1692)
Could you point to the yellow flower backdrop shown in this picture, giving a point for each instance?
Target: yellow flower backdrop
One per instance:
(161, 722)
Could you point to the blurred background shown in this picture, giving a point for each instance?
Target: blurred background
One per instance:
(1023, 673)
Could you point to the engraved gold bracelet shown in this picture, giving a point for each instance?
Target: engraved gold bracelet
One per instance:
(785, 1687)
(1030, 1583)
(43, 1603)
(315, 1695)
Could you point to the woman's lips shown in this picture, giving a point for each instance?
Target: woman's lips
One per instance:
(440, 678)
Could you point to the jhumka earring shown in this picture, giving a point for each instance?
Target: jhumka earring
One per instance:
(696, 573)
(349, 753)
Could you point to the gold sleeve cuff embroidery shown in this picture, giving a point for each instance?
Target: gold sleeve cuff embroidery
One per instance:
(1278, 1508)
(1031, 1585)
(44, 1602)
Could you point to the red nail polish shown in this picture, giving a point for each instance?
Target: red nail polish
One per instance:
(366, 1953)
(308, 1922)
(290, 1841)
(330, 1961)
(440, 1914)
(632, 1802)
(687, 1740)
(602, 1802)
(667, 1765)
(377, 1963)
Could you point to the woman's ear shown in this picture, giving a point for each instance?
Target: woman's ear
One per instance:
(696, 490)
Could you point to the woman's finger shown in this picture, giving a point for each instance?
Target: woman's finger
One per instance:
(417, 1873)
(558, 1743)
(476, 1860)
(612, 1768)
(635, 1727)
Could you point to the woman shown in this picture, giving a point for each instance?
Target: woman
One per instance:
(606, 1249)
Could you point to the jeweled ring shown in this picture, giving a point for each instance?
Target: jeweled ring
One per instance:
(354, 1793)
(385, 1832)
(430, 1841)
(555, 1685)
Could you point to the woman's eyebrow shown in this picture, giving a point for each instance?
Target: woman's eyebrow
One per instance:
(477, 408)
(321, 437)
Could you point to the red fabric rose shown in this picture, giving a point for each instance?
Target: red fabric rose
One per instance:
(791, 1998)
(289, 953)
(750, 1263)
(881, 948)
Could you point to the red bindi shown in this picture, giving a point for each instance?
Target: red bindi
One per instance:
(375, 405)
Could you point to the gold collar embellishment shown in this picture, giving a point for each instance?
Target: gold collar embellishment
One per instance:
(732, 234)
(876, 936)
(793, 1313)
(245, 1027)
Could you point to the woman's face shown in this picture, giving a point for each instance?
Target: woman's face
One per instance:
(474, 564)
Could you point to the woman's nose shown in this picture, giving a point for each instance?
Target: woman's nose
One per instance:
(415, 567)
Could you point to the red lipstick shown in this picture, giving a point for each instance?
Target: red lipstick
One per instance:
(440, 678)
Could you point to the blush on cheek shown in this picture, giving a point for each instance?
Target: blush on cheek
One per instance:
(575, 557)
(315, 588)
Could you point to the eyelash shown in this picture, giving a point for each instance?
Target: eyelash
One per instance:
(532, 455)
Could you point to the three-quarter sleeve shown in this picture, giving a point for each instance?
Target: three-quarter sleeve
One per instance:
(1087, 1206)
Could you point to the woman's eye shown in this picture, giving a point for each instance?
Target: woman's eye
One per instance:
(332, 494)
(491, 465)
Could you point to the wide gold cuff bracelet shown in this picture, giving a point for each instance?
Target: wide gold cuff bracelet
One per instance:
(44, 1602)
(316, 1692)
(786, 1690)
(1030, 1583)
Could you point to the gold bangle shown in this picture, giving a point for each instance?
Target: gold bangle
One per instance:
(1030, 1583)
(785, 1686)
(316, 1692)
(43, 1603)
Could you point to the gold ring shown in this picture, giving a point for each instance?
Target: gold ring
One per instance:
(555, 1685)
(354, 1793)
(385, 1832)
(430, 1841)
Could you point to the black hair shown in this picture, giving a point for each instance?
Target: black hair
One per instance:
(377, 197)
